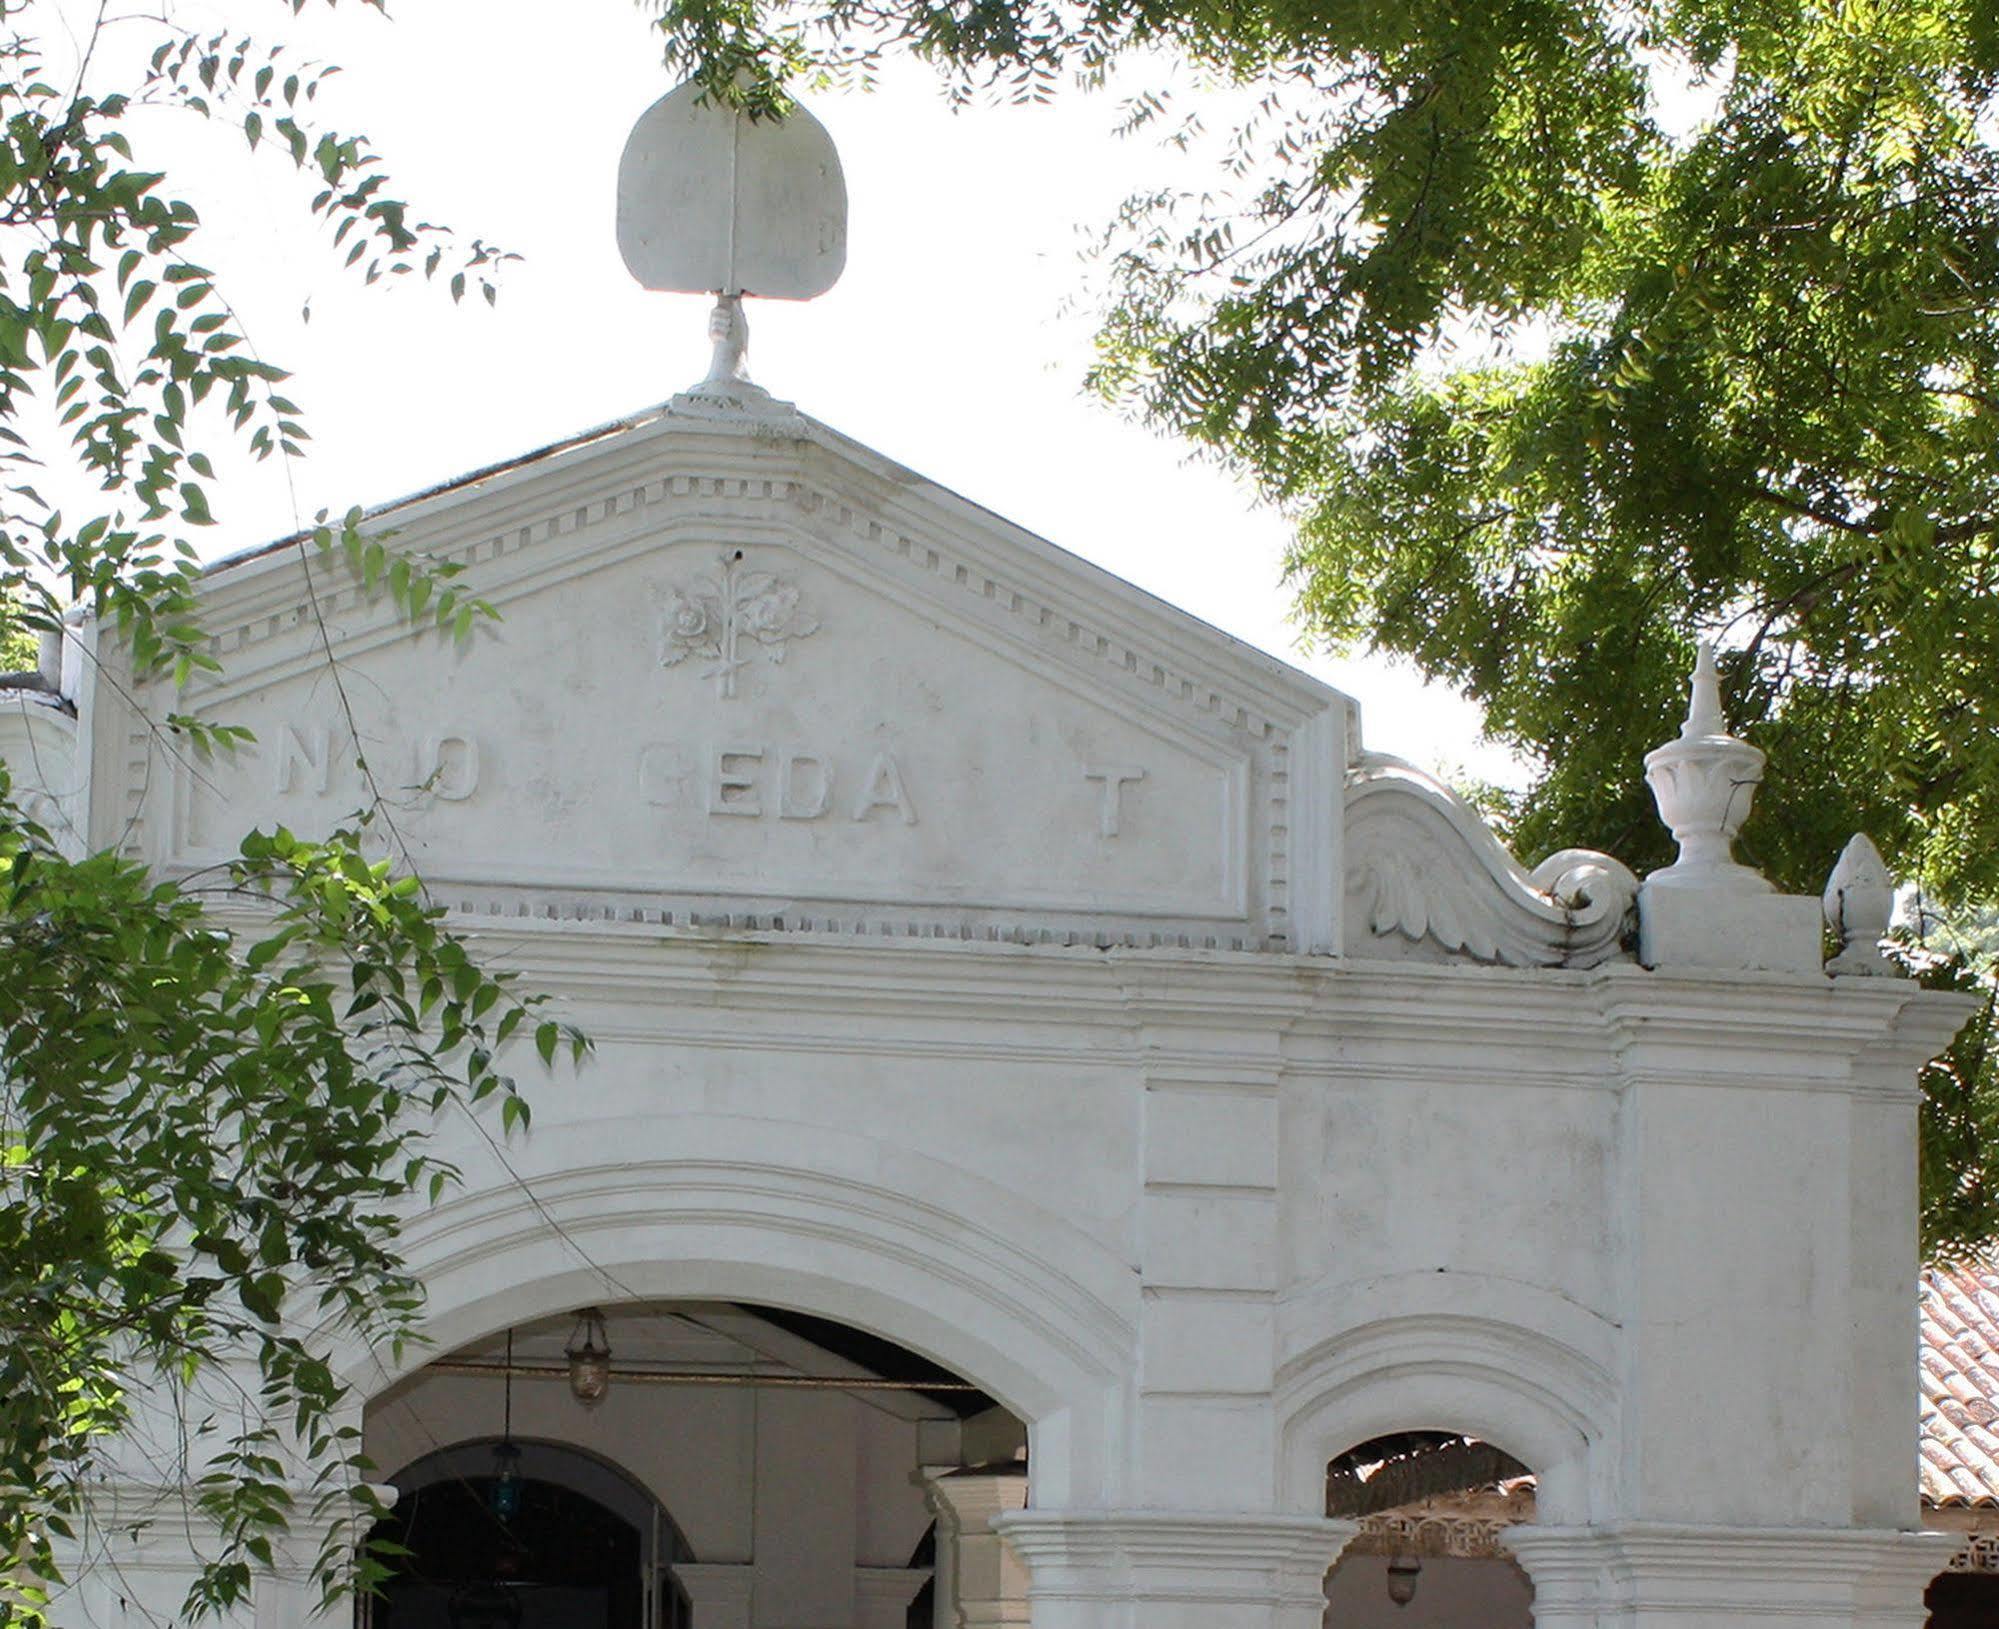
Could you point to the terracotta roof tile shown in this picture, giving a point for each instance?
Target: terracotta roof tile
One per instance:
(1958, 1454)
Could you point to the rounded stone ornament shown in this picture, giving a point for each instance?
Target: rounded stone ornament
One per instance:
(711, 201)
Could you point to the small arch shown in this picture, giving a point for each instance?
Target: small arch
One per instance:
(594, 1475)
(1538, 1399)
(582, 1541)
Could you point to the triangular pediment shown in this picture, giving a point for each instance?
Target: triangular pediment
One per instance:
(751, 673)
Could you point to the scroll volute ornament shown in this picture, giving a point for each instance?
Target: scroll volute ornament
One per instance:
(1703, 784)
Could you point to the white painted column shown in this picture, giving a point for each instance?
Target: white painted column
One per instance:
(140, 1548)
(1769, 1215)
(1684, 1577)
(1210, 1256)
(980, 1581)
(133, 1559)
(1165, 1570)
(882, 1595)
(719, 1592)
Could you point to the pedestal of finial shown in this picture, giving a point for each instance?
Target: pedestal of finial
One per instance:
(1765, 932)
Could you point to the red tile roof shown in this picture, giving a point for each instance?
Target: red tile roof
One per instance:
(1959, 1359)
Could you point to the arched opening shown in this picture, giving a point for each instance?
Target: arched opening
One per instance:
(1431, 1506)
(1962, 1598)
(507, 1534)
(678, 1465)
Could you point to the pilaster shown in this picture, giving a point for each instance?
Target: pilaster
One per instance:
(980, 1582)
(1209, 1243)
(1169, 1570)
(1684, 1577)
(140, 1548)
(1767, 1227)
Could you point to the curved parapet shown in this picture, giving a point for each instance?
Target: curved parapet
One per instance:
(1427, 880)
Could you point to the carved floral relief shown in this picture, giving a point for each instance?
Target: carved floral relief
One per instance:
(730, 617)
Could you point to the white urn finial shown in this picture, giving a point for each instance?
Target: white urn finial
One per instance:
(1859, 902)
(1703, 783)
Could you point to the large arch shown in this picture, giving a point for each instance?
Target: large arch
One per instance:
(1434, 1364)
(930, 1257)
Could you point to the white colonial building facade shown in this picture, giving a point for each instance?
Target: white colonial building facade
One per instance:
(1055, 1092)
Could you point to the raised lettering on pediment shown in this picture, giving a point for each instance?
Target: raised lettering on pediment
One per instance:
(706, 696)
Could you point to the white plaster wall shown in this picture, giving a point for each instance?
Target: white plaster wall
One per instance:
(1385, 1169)
(1003, 1092)
(890, 1517)
(40, 747)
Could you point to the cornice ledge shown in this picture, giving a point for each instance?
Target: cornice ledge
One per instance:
(1174, 1555)
(1726, 1568)
(1425, 877)
(1051, 574)
(1882, 1030)
(609, 960)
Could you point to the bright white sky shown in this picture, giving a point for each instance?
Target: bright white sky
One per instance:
(944, 345)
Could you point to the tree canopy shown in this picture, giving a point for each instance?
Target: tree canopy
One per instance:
(215, 1089)
(1569, 332)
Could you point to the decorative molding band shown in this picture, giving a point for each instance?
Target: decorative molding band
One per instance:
(1427, 1534)
(1205, 1558)
(1810, 1575)
(1980, 1553)
(1424, 871)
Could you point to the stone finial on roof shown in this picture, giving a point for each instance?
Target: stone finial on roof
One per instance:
(1703, 783)
(1706, 909)
(1859, 900)
(713, 201)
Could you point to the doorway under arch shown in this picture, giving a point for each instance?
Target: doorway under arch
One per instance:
(800, 1460)
(526, 1534)
(1431, 1505)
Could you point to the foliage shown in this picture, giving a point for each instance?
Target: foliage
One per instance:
(1569, 331)
(207, 1129)
(18, 647)
(214, 1090)
(1959, 1126)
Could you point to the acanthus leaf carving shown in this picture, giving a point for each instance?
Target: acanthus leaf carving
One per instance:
(1426, 878)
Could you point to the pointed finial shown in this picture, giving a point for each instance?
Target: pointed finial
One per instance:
(1859, 903)
(1704, 700)
(1703, 783)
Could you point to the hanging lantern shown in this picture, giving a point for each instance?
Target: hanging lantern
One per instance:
(1403, 1571)
(506, 1457)
(506, 1481)
(589, 1354)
